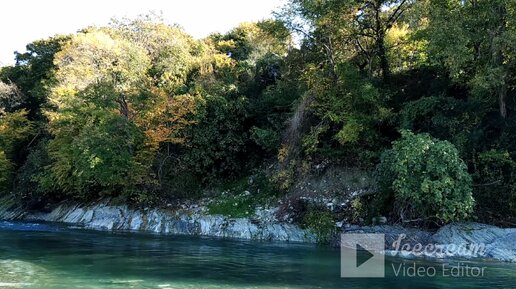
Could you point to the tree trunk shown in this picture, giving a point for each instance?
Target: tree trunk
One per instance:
(380, 42)
(124, 107)
(498, 59)
(502, 100)
(384, 62)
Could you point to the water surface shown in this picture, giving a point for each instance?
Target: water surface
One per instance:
(52, 256)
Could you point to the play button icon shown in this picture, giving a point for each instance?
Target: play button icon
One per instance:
(361, 256)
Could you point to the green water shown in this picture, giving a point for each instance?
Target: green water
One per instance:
(50, 256)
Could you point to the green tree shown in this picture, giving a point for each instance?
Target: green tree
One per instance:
(96, 145)
(426, 178)
(345, 30)
(15, 130)
(475, 41)
(215, 145)
(33, 75)
(173, 53)
(95, 151)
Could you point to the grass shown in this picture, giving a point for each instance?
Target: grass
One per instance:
(242, 198)
(238, 206)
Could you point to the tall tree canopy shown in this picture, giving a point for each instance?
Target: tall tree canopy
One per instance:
(140, 111)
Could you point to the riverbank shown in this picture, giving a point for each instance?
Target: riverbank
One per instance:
(190, 220)
(194, 220)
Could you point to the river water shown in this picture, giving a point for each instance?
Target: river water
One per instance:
(54, 256)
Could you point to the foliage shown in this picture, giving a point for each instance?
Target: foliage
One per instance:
(97, 147)
(11, 98)
(240, 198)
(495, 189)
(214, 144)
(33, 75)
(475, 41)
(404, 50)
(141, 112)
(238, 206)
(427, 179)
(98, 154)
(266, 138)
(31, 187)
(320, 222)
(443, 117)
(348, 112)
(14, 129)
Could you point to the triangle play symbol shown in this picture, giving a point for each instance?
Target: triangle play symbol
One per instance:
(362, 255)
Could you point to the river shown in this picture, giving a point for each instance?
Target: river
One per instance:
(56, 256)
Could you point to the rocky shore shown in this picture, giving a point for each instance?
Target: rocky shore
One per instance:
(451, 241)
(191, 220)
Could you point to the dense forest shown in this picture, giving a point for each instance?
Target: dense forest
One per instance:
(418, 94)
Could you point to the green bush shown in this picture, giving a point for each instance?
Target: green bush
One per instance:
(426, 178)
(267, 139)
(320, 222)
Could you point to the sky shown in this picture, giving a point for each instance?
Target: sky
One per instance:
(22, 22)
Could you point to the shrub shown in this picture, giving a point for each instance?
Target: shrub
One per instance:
(320, 222)
(267, 139)
(426, 178)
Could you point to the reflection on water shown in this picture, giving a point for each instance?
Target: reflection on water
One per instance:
(17, 274)
(48, 256)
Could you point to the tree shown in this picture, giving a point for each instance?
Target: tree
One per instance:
(95, 151)
(96, 146)
(130, 101)
(373, 20)
(173, 54)
(11, 98)
(426, 178)
(15, 130)
(29, 80)
(215, 145)
(251, 41)
(475, 41)
(347, 29)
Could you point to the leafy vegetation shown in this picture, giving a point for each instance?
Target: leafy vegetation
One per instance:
(319, 221)
(427, 179)
(240, 198)
(141, 112)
